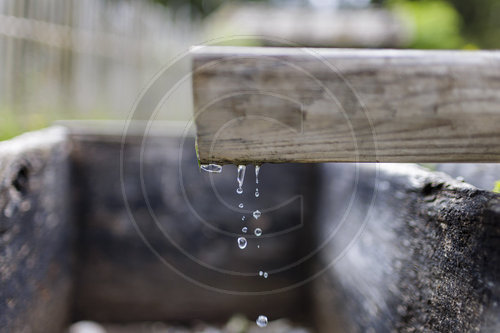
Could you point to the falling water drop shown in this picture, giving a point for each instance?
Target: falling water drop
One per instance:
(261, 273)
(257, 192)
(242, 242)
(243, 218)
(240, 178)
(261, 321)
(257, 169)
(256, 214)
(215, 168)
(241, 205)
(258, 232)
(244, 230)
(265, 275)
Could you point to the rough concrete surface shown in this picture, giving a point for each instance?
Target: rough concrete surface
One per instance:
(193, 269)
(427, 259)
(394, 247)
(35, 234)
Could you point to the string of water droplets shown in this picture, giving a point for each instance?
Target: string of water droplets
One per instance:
(257, 169)
(242, 241)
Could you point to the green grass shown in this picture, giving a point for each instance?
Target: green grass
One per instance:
(14, 123)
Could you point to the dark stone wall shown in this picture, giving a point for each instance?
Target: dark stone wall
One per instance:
(172, 254)
(36, 235)
(481, 175)
(364, 248)
(425, 258)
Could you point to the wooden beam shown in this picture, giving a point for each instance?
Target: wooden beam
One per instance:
(256, 105)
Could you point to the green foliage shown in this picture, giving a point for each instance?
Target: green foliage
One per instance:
(496, 188)
(474, 21)
(429, 166)
(195, 7)
(481, 21)
(436, 24)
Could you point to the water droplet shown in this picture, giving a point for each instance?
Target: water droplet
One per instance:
(256, 214)
(257, 193)
(266, 275)
(261, 273)
(258, 232)
(258, 246)
(261, 321)
(215, 168)
(241, 205)
(243, 218)
(242, 242)
(257, 169)
(240, 178)
(245, 229)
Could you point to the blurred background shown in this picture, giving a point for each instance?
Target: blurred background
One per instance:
(69, 59)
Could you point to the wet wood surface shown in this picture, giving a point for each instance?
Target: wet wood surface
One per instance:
(341, 105)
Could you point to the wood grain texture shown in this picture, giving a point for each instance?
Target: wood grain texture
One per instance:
(340, 105)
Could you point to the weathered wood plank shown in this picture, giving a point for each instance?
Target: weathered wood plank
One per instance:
(320, 105)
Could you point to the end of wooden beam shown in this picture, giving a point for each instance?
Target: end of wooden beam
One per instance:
(273, 105)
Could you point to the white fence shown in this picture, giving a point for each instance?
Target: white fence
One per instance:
(85, 58)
